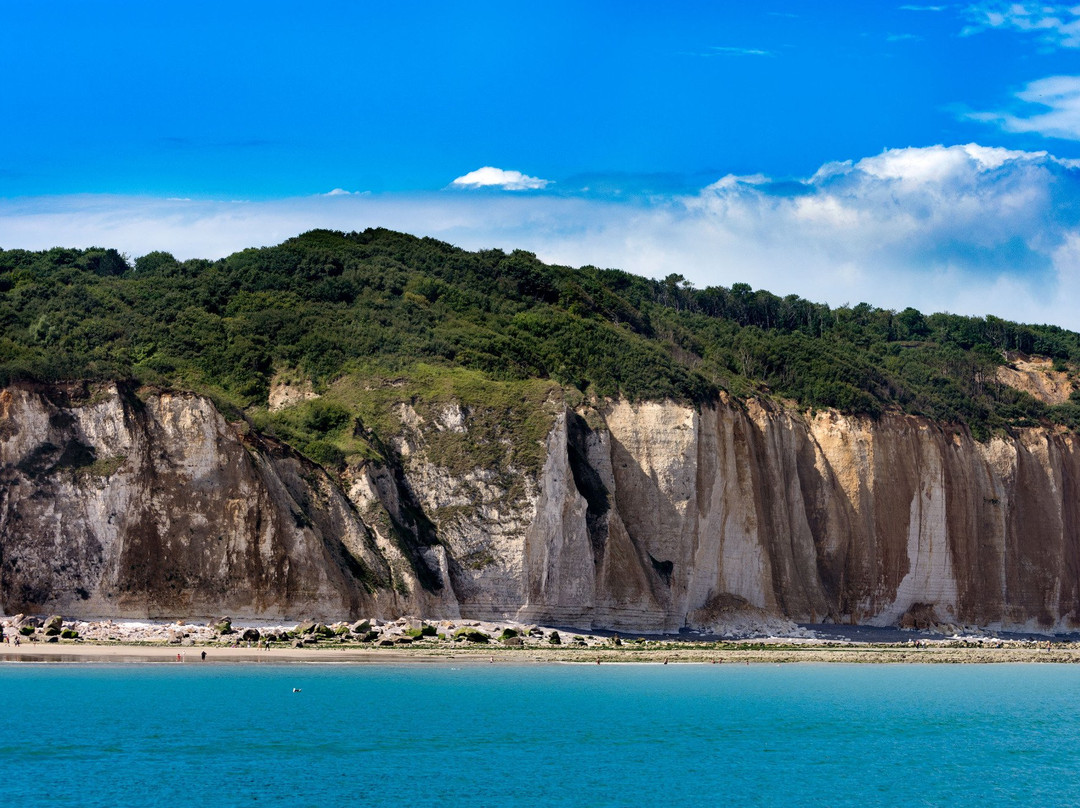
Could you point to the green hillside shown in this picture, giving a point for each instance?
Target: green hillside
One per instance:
(385, 317)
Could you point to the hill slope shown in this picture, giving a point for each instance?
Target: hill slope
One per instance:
(326, 304)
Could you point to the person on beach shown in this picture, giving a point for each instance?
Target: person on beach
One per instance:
(204, 656)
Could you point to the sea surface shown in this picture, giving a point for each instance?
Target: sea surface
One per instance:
(567, 735)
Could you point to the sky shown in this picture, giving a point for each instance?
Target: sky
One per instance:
(901, 154)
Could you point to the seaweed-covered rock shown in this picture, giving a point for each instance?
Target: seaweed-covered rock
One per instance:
(471, 635)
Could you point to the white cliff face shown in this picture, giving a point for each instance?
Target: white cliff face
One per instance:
(648, 517)
(748, 509)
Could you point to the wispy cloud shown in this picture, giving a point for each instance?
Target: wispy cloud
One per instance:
(730, 51)
(1054, 25)
(923, 8)
(903, 38)
(490, 177)
(1049, 107)
(969, 229)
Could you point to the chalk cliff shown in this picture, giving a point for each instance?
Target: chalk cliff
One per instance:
(646, 517)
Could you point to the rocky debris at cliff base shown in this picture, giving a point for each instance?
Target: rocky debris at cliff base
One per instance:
(742, 625)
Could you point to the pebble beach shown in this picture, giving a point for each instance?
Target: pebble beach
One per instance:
(41, 639)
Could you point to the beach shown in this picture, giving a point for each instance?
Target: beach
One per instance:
(755, 652)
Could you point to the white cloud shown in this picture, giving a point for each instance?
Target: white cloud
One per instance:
(1056, 109)
(490, 177)
(1053, 24)
(343, 192)
(969, 229)
(741, 51)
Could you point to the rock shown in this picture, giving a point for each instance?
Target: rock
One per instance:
(174, 637)
(470, 634)
(251, 635)
(54, 622)
(360, 627)
(69, 634)
(920, 616)
(513, 642)
(53, 637)
(307, 627)
(223, 625)
(297, 643)
(385, 643)
(403, 640)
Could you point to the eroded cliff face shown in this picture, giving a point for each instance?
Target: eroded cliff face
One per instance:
(650, 517)
(813, 518)
(117, 505)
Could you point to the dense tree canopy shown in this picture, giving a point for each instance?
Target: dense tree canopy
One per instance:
(324, 305)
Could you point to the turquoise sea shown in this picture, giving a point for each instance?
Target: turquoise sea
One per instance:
(566, 735)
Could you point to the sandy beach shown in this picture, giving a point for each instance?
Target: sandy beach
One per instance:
(441, 653)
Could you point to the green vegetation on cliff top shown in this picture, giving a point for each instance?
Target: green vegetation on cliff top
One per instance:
(382, 319)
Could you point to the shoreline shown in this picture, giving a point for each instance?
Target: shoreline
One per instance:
(776, 652)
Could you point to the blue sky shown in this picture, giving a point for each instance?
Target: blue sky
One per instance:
(899, 153)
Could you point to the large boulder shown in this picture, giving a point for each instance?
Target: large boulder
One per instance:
(471, 635)
(251, 635)
(360, 627)
(54, 622)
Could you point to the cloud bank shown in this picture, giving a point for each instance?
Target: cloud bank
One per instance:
(968, 229)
